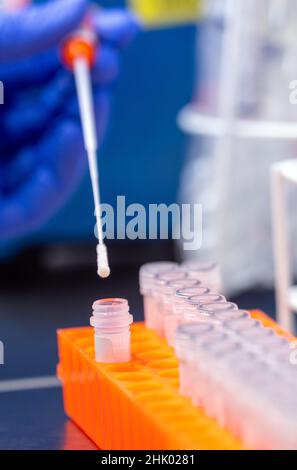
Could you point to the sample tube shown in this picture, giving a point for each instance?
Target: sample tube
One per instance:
(183, 343)
(270, 345)
(233, 409)
(220, 306)
(194, 306)
(203, 364)
(206, 310)
(147, 274)
(238, 325)
(215, 353)
(111, 321)
(279, 352)
(221, 316)
(179, 301)
(242, 389)
(208, 298)
(157, 316)
(258, 335)
(168, 293)
(208, 273)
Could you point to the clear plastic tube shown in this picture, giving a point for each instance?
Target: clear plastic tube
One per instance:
(179, 302)
(184, 340)
(111, 321)
(204, 365)
(149, 271)
(230, 364)
(281, 352)
(214, 401)
(193, 307)
(167, 298)
(219, 306)
(206, 310)
(222, 316)
(225, 370)
(258, 335)
(239, 325)
(171, 287)
(156, 317)
(208, 298)
(208, 273)
(147, 275)
(233, 409)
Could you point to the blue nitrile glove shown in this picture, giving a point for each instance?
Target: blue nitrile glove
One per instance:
(42, 158)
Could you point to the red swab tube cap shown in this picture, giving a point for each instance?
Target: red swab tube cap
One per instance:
(78, 45)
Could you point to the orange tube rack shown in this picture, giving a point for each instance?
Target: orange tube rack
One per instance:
(135, 405)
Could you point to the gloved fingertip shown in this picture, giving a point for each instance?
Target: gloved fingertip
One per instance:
(117, 26)
(106, 68)
(38, 27)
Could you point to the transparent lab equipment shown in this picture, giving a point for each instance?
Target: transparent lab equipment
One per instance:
(147, 275)
(238, 387)
(179, 303)
(167, 298)
(283, 195)
(208, 273)
(210, 297)
(111, 321)
(240, 122)
(220, 316)
(157, 315)
(185, 338)
(207, 309)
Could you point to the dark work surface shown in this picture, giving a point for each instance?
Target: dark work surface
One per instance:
(33, 305)
(35, 420)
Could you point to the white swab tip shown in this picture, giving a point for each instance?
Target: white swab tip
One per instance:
(103, 271)
(102, 261)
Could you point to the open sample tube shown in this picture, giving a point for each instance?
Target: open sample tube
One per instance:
(111, 321)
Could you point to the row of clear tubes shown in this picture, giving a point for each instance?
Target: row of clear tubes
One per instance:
(232, 366)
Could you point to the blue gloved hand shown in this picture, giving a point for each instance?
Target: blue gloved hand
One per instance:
(42, 158)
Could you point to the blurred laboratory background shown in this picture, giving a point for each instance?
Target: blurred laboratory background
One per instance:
(200, 112)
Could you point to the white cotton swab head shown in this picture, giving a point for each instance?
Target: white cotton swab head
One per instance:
(103, 268)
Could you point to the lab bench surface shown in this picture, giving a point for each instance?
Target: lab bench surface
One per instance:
(35, 419)
(31, 311)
